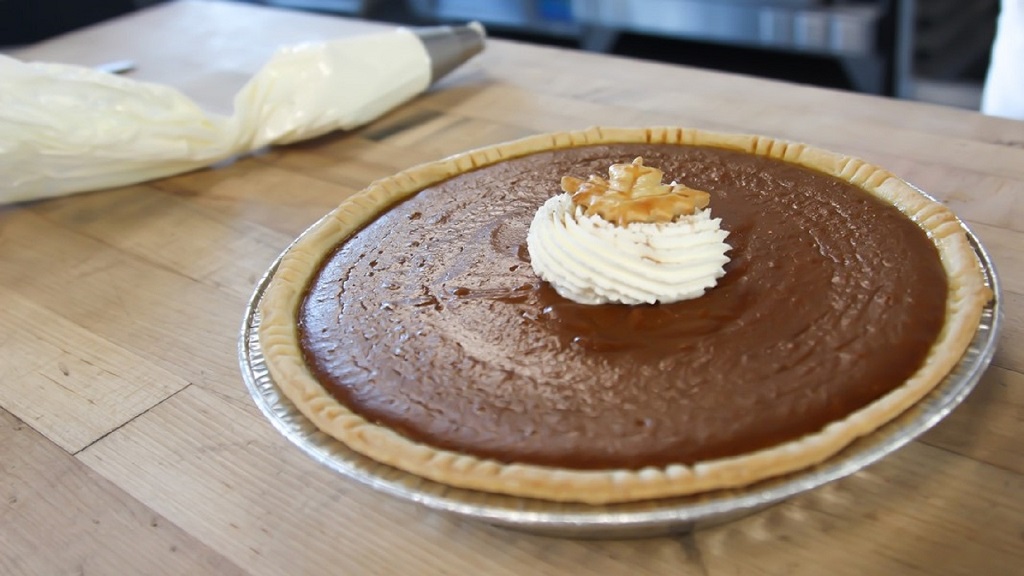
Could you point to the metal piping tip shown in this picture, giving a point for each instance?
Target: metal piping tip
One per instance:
(450, 46)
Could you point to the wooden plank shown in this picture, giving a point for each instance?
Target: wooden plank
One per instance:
(922, 510)
(444, 135)
(174, 233)
(353, 160)
(68, 384)
(1004, 247)
(59, 517)
(233, 482)
(391, 145)
(161, 316)
(584, 76)
(985, 427)
(1010, 349)
(880, 518)
(501, 103)
(260, 193)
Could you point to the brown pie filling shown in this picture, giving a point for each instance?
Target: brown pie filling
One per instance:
(431, 322)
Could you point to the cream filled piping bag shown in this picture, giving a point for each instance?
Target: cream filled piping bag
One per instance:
(66, 129)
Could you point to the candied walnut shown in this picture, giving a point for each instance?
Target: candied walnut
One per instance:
(634, 193)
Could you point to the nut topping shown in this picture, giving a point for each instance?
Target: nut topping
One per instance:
(634, 193)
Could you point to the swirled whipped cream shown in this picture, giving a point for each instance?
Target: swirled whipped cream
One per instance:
(630, 240)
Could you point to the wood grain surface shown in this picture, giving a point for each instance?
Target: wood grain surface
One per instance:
(129, 444)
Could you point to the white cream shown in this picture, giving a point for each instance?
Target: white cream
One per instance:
(592, 261)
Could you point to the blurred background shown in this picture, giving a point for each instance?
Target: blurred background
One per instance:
(928, 50)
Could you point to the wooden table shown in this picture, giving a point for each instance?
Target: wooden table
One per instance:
(128, 442)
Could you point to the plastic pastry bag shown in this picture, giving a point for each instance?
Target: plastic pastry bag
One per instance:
(66, 129)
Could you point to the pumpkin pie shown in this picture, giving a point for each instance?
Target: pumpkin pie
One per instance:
(410, 325)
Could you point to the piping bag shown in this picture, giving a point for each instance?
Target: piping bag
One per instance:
(67, 129)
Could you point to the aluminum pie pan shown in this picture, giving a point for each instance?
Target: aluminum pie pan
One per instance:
(631, 519)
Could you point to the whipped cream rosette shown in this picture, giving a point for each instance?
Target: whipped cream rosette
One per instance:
(630, 239)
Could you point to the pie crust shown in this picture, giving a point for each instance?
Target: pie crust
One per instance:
(279, 334)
